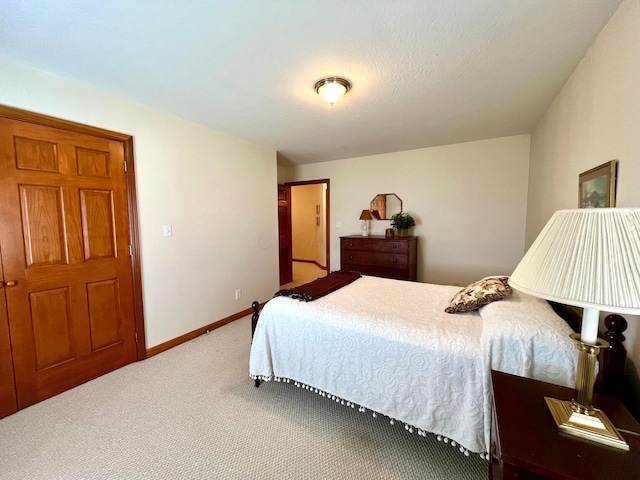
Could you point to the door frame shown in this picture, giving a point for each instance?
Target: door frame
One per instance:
(134, 234)
(288, 273)
(327, 214)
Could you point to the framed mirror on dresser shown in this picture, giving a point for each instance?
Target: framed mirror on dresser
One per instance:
(385, 205)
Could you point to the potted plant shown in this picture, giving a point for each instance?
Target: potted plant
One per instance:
(402, 222)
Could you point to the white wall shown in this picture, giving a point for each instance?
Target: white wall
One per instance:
(468, 200)
(217, 191)
(594, 119)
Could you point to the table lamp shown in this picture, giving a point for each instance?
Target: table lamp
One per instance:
(365, 216)
(588, 258)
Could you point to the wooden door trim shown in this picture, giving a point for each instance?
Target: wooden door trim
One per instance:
(132, 200)
(327, 213)
(285, 275)
(134, 238)
(47, 121)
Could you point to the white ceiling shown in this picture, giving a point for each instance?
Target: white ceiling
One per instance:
(424, 72)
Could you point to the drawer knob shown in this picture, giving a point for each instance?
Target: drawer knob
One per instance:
(10, 283)
(350, 257)
(395, 246)
(395, 260)
(351, 244)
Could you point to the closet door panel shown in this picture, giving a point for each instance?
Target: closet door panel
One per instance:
(65, 239)
(8, 403)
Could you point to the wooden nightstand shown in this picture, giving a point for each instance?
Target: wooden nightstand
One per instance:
(525, 443)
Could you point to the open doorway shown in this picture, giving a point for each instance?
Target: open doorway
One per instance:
(309, 231)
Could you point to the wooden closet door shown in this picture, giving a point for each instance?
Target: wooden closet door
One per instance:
(8, 403)
(64, 236)
(285, 244)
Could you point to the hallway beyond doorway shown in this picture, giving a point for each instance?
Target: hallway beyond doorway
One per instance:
(304, 272)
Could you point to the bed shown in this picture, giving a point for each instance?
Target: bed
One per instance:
(387, 347)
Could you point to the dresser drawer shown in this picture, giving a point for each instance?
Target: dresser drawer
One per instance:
(376, 271)
(367, 245)
(375, 258)
(380, 256)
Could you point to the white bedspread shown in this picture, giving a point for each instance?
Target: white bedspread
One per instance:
(388, 345)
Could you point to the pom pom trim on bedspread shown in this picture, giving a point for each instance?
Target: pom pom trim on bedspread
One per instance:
(361, 409)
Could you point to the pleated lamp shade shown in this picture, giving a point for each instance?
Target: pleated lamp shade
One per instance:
(589, 258)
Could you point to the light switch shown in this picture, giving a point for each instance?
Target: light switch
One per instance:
(168, 230)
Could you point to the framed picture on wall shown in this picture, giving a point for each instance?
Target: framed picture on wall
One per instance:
(597, 187)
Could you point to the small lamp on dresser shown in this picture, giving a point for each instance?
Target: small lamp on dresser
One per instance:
(365, 216)
(587, 258)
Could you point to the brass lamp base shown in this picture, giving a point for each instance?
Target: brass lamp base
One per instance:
(595, 426)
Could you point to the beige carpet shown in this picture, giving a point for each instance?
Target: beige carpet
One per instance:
(193, 413)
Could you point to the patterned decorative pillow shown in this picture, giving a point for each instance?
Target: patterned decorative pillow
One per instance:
(484, 291)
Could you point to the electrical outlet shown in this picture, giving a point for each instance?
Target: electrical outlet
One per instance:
(338, 224)
(167, 230)
(238, 294)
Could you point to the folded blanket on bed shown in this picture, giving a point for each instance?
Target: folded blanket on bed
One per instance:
(320, 287)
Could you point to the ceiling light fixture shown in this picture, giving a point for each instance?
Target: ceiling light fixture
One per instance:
(332, 89)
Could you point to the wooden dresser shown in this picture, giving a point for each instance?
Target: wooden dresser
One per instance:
(377, 255)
